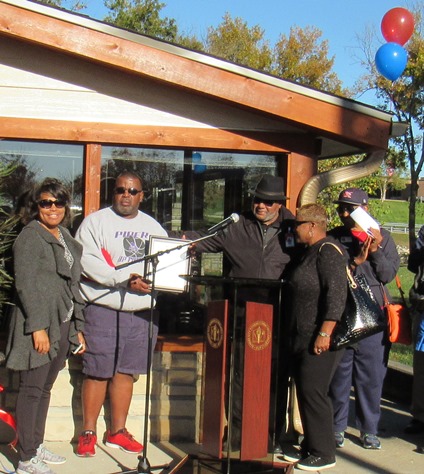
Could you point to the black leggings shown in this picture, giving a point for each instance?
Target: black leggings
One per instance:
(33, 399)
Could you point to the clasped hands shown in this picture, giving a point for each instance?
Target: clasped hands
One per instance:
(139, 284)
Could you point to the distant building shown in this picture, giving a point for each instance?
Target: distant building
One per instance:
(405, 193)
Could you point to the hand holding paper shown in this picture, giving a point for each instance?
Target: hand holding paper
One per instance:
(364, 220)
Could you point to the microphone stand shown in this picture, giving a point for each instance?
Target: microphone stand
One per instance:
(144, 466)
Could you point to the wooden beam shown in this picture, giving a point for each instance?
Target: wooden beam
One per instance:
(92, 167)
(308, 112)
(164, 137)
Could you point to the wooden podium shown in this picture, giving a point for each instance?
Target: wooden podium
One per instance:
(241, 343)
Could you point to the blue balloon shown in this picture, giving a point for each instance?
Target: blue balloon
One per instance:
(390, 60)
(199, 167)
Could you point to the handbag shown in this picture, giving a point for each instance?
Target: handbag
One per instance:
(398, 318)
(362, 316)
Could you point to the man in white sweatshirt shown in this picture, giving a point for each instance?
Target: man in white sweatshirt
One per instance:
(117, 313)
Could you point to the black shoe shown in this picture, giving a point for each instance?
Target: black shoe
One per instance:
(315, 463)
(292, 454)
(414, 427)
(370, 441)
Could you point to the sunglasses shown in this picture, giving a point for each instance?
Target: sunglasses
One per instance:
(132, 191)
(267, 203)
(48, 203)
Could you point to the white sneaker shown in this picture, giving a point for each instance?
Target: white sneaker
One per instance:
(48, 457)
(33, 466)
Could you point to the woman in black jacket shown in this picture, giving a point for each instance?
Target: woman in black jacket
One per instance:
(47, 319)
(317, 291)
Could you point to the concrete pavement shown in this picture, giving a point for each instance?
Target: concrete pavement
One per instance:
(398, 455)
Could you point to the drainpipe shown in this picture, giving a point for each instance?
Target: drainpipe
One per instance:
(317, 183)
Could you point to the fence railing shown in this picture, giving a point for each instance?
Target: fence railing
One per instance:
(399, 228)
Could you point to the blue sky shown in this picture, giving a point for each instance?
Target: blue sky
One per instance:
(339, 20)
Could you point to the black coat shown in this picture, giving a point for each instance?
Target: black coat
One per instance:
(250, 253)
(45, 287)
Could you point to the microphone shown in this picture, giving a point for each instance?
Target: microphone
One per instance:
(225, 223)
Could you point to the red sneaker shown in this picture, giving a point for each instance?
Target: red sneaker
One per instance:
(86, 444)
(124, 440)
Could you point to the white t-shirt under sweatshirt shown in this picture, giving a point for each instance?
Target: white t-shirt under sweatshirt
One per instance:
(109, 241)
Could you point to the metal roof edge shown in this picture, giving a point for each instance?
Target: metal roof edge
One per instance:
(204, 58)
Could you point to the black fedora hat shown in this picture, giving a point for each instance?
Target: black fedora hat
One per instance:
(270, 188)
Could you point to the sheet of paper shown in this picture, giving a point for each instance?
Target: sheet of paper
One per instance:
(364, 220)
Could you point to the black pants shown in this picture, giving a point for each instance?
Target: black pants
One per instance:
(313, 375)
(33, 399)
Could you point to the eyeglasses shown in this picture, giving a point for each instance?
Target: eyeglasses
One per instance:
(267, 203)
(298, 223)
(132, 191)
(48, 203)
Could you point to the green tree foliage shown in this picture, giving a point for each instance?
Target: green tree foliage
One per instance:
(73, 5)
(142, 16)
(235, 41)
(7, 236)
(303, 58)
(405, 98)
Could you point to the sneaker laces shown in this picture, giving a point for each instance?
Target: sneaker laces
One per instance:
(87, 436)
(126, 433)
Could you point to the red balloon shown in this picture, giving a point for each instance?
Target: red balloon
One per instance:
(397, 25)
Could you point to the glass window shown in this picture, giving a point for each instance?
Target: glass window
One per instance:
(187, 190)
(35, 161)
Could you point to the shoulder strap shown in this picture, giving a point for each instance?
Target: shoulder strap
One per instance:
(349, 274)
(333, 245)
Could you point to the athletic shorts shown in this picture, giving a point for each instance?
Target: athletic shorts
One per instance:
(117, 341)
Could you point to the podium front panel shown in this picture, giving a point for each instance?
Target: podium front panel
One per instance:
(214, 404)
(256, 381)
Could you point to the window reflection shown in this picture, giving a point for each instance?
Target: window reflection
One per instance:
(35, 161)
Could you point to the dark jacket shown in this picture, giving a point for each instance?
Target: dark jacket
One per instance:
(416, 265)
(251, 253)
(45, 287)
(317, 291)
(381, 266)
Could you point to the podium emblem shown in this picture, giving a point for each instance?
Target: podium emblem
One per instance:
(215, 333)
(259, 336)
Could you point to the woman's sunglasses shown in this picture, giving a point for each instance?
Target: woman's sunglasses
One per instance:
(132, 191)
(48, 203)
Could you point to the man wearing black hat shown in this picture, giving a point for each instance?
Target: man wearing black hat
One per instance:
(259, 245)
(372, 253)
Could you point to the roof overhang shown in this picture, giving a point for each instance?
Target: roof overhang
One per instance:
(342, 125)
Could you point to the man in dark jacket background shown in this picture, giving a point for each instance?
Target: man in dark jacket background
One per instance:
(372, 253)
(259, 246)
